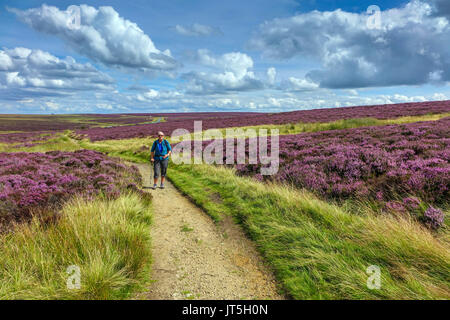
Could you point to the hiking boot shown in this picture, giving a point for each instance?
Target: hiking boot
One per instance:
(162, 186)
(154, 187)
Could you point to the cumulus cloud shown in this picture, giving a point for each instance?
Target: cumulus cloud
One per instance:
(197, 30)
(409, 48)
(326, 99)
(296, 84)
(439, 97)
(104, 106)
(152, 95)
(273, 101)
(50, 105)
(101, 35)
(25, 73)
(234, 74)
(271, 74)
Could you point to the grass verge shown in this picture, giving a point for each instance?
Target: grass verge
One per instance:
(107, 239)
(318, 250)
(134, 150)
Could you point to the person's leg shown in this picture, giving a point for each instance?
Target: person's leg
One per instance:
(164, 165)
(156, 171)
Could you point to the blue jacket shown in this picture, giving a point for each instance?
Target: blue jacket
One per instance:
(161, 149)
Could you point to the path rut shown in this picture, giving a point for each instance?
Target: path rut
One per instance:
(194, 258)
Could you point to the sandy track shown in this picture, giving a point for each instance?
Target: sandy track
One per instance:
(194, 258)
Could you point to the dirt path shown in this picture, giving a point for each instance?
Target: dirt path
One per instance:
(193, 258)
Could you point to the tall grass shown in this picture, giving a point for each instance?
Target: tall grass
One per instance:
(319, 250)
(108, 240)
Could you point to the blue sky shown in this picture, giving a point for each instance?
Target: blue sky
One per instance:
(267, 56)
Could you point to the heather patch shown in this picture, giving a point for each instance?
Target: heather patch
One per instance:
(394, 165)
(26, 139)
(226, 120)
(39, 183)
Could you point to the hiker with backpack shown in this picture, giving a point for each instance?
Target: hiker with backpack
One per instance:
(160, 153)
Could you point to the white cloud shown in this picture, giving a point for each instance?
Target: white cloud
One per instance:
(410, 47)
(52, 106)
(27, 73)
(403, 98)
(327, 99)
(26, 101)
(196, 30)
(296, 84)
(439, 97)
(236, 62)
(153, 100)
(151, 95)
(102, 35)
(104, 106)
(234, 74)
(271, 74)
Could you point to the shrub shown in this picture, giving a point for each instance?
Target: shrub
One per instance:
(39, 183)
(434, 218)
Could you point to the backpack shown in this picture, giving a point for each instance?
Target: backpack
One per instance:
(165, 142)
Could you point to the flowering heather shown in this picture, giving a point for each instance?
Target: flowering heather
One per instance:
(411, 203)
(26, 137)
(22, 129)
(35, 123)
(384, 163)
(186, 121)
(136, 118)
(433, 217)
(394, 206)
(34, 182)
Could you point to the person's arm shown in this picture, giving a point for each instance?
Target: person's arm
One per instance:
(152, 153)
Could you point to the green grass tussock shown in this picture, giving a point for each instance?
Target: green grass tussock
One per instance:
(108, 240)
(319, 250)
